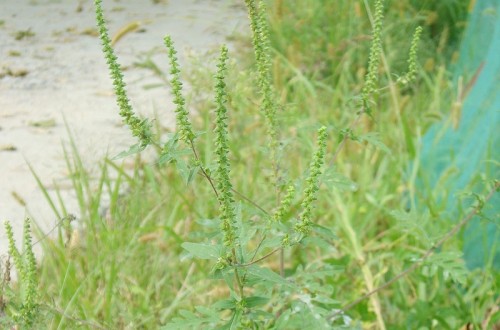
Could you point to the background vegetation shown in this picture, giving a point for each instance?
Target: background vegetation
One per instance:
(123, 266)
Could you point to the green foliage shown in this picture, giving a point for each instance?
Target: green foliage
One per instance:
(204, 239)
(25, 310)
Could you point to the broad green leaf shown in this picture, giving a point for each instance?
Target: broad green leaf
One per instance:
(225, 304)
(255, 301)
(206, 311)
(235, 320)
(171, 151)
(316, 242)
(267, 275)
(269, 243)
(410, 146)
(202, 251)
(333, 179)
(323, 231)
(374, 139)
(135, 149)
(326, 300)
(192, 173)
(282, 321)
(173, 155)
(187, 170)
(190, 320)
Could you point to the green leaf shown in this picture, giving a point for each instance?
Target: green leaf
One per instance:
(171, 151)
(326, 300)
(267, 275)
(316, 242)
(374, 139)
(135, 149)
(192, 173)
(452, 265)
(206, 311)
(282, 321)
(225, 304)
(338, 181)
(412, 223)
(323, 231)
(235, 320)
(203, 251)
(172, 155)
(255, 301)
(270, 243)
(410, 146)
(190, 320)
(184, 170)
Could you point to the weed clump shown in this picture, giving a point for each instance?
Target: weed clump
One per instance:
(294, 249)
(26, 310)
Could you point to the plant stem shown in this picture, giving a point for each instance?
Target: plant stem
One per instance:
(237, 276)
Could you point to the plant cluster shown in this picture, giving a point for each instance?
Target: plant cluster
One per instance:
(25, 307)
(287, 239)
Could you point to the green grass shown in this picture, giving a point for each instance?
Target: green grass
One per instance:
(122, 266)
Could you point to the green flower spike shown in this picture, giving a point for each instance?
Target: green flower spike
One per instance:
(285, 204)
(302, 228)
(140, 128)
(182, 116)
(261, 46)
(224, 186)
(371, 79)
(412, 59)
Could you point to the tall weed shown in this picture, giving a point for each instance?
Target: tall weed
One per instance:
(283, 203)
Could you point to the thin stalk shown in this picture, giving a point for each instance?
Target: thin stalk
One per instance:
(237, 276)
(260, 259)
(205, 174)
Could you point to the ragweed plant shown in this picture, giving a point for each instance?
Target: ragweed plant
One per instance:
(239, 249)
(27, 310)
(243, 234)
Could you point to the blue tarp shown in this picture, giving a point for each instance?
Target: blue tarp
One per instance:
(457, 158)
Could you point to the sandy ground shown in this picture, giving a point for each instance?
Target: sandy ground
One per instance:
(51, 68)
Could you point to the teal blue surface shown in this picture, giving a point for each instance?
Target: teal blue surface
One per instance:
(457, 159)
